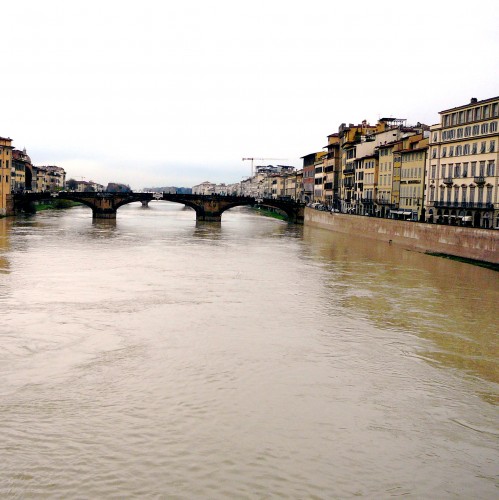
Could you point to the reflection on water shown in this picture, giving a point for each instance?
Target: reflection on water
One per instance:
(154, 356)
(436, 299)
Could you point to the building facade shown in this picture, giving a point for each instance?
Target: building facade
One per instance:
(462, 177)
(5, 171)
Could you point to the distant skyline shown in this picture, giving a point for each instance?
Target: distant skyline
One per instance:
(175, 93)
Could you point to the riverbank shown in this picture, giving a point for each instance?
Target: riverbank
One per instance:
(474, 244)
(56, 205)
(270, 212)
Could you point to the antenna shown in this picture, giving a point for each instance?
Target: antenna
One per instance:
(253, 159)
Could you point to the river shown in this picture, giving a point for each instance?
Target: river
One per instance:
(157, 357)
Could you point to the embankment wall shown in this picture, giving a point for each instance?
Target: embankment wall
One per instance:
(466, 242)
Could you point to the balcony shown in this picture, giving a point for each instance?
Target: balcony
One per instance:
(479, 180)
(367, 201)
(447, 180)
(381, 201)
(462, 204)
(348, 171)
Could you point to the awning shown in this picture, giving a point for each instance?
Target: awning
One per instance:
(407, 213)
(467, 218)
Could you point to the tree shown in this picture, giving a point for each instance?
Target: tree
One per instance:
(71, 184)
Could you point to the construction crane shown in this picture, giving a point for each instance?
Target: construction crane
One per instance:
(253, 159)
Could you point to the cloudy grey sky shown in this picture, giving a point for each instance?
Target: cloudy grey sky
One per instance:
(161, 92)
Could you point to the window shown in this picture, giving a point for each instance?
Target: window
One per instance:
(456, 194)
(451, 150)
(485, 128)
(448, 194)
(467, 131)
(451, 169)
(432, 193)
(457, 170)
(472, 194)
(461, 117)
(492, 146)
(454, 118)
(443, 171)
(482, 169)
(444, 135)
(444, 151)
(433, 153)
(459, 150)
(446, 120)
(433, 171)
(493, 127)
(469, 117)
(465, 169)
(466, 149)
(486, 112)
(459, 132)
(474, 148)
(483, 147)
(491, 168)
(489, 194)
(434, 137)
(473, 168)
(476, 129)
(442, 191)
(495, 109)
(464, 191)
(480, 194)
(478, 113)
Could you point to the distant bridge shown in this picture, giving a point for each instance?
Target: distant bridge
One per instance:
(104, 205)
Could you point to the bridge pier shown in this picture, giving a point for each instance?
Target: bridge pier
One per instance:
(211, 217)
(103, 214)
(145, 203)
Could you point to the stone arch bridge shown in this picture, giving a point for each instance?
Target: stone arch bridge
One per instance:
(208, 207)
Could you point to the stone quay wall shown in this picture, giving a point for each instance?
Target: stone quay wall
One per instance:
(466, 242)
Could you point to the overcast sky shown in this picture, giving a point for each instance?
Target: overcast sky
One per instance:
(159, 92)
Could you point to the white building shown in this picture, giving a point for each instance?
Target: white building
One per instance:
(462, 177)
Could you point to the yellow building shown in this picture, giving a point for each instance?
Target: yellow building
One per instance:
(412, 177)
(462, 176)
(384, 199)
(332, 165)
(5, 172)
(21, 171)
(370, 185)
(319, 176)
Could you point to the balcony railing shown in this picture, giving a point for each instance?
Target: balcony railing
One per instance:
(381, 201)
(447, 180)
(462, 204)
(480, 179)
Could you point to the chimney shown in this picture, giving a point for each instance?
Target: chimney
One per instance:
(474, 100)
